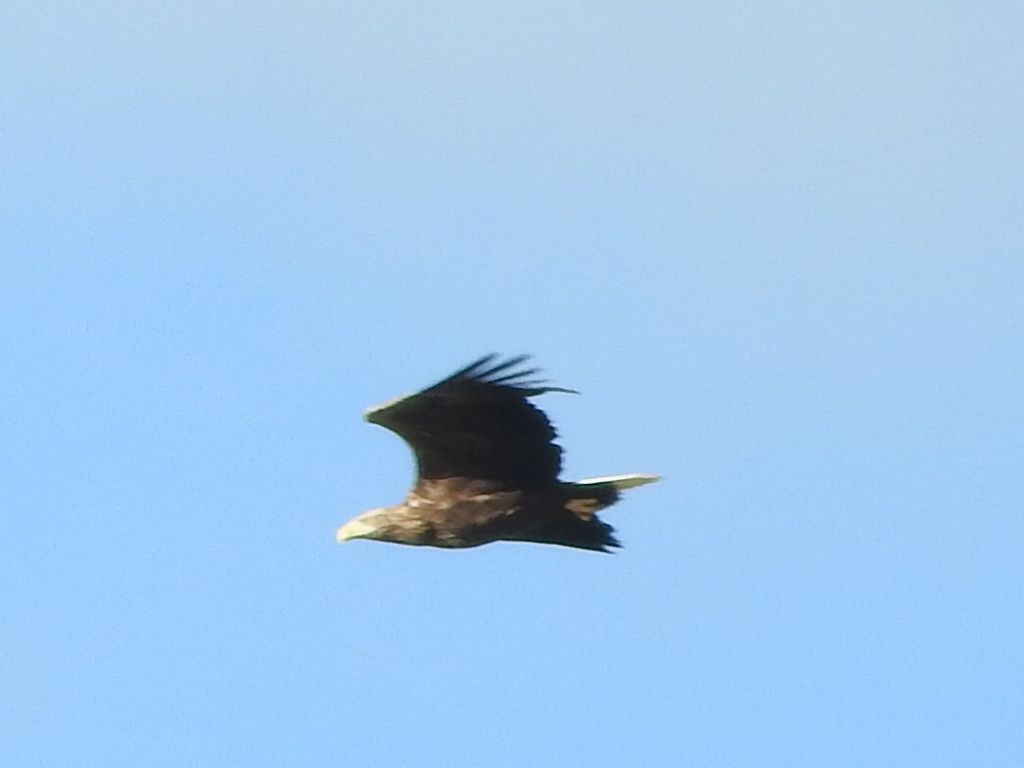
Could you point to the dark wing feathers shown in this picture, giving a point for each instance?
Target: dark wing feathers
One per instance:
(573, 532)
(478, 423)
(483, 372)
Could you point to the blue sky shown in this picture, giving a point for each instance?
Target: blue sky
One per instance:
(777, 247)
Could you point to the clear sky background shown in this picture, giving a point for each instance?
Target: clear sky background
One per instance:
(778, 247)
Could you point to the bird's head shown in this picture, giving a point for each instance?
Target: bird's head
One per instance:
(369, 525)
(399, 524)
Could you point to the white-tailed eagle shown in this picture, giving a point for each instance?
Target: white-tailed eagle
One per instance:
(487, 468)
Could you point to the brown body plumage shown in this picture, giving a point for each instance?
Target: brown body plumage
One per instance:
(487, 468)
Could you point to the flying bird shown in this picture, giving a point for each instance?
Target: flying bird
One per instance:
(487, 468)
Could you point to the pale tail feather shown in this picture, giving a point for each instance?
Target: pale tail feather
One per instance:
(621, 482)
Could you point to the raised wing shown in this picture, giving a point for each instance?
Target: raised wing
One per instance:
(479, 423)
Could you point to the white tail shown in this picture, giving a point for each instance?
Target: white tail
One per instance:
(621, 482)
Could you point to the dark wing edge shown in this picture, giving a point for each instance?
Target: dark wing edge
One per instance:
(490, 369)
(478, 422)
